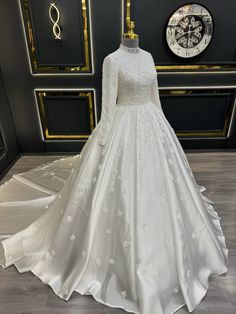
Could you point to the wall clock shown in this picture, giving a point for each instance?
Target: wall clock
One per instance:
(189, 30)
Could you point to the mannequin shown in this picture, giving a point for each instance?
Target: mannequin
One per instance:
(130, 43)
(130, 184)
(130, 39)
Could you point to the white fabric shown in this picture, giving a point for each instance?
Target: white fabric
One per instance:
(124, 220)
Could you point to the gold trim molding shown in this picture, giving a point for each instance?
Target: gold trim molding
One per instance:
(194, 67)
(40, 96)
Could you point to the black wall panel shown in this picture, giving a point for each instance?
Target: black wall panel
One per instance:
(49, 53)
(59, 38)
(66, 115)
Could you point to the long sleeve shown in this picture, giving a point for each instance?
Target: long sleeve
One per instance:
(109, 95)
(155, 94)
(154, 90)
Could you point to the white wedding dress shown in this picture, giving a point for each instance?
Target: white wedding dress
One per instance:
(124, 220)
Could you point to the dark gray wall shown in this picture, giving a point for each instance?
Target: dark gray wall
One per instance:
(9, 149)
(208, 110)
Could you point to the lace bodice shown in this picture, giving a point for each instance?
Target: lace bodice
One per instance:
(128, 78)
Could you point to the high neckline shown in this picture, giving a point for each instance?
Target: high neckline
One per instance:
(135, 50)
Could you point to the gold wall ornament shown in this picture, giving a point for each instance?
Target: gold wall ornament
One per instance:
(130, 24)
(56, 28)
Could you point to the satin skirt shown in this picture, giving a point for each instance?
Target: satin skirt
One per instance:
(125, 222)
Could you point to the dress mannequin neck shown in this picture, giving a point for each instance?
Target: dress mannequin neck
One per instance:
(130, 43)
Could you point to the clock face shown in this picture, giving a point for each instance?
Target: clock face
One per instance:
(189, 30)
